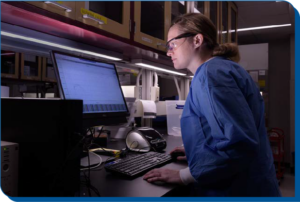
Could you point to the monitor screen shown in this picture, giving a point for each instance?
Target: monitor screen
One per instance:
(94, 82)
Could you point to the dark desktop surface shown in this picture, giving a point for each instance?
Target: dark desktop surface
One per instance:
(112, 185)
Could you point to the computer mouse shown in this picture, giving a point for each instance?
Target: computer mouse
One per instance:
(144, 139)
(175, 154)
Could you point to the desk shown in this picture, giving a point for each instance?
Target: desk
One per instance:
(112, 185)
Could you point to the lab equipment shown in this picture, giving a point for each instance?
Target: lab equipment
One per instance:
(145, 139)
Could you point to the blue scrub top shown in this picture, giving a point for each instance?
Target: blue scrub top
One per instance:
(224, 135)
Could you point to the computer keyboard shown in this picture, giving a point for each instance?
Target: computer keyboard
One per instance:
(133, 166)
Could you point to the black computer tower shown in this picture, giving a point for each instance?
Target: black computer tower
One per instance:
(49, 137)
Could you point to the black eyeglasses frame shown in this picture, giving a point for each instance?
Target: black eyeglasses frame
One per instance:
(184, 35)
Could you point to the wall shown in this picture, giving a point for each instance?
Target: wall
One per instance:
(254, 56)
(279, 89)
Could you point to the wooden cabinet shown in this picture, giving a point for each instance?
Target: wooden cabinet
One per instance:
(110, 16)
(9, 64)
(178, 8)
(229, 17)
(212, 10)
(224, 37)
(199, 7)
(64, 8)
(152, 22)
(233, 22)
(48, 73)
(31, 66)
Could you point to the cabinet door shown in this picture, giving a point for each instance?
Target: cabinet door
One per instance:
(110, 16)
(214, 16)
(152, 20)
(48, 73)
(31, 67)
(232, 22)
(200, 7)
(65, 8)
(224, 22)
(178, 8)
(9, 64)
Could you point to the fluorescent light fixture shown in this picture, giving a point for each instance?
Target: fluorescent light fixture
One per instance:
(257, 28)
(3, 33)
(192, 76)
(160, 69)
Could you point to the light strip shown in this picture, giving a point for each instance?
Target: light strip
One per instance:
(160, 69)
(192, 76)
(57, 45)
(263, 27)
(257, 28)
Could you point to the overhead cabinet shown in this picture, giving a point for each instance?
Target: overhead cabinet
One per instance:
(64, 8)
(146, 22)
(152, 21)
(110, 16)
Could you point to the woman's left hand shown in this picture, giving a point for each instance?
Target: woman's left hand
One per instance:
(163, 175)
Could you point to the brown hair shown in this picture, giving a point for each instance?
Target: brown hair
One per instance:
(197, 23)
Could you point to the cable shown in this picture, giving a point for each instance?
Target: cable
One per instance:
(155, 80)
(90, 168)
(178, 90)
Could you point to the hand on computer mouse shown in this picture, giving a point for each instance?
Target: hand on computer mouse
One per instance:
(178, 153)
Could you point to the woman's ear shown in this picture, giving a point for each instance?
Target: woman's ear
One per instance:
(198, 40)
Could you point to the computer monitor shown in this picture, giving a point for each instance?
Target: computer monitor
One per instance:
(94, 82)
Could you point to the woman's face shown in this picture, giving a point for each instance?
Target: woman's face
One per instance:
(180, 50)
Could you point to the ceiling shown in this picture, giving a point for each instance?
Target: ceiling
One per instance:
(263, 13)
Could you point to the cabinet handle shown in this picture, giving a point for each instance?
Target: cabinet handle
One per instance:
(67, 9)
(92, 18)
(160, 44)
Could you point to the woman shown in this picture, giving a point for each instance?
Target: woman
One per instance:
(223, 128)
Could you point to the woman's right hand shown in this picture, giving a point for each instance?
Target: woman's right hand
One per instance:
(179, 150)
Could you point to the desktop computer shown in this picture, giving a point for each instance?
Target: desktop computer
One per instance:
(9, 168)
(48, 133)
(97, 84)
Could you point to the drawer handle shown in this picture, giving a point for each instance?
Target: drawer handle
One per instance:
(67, 9)
(92, 18)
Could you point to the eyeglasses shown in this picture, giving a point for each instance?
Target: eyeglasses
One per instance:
(171, 45)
